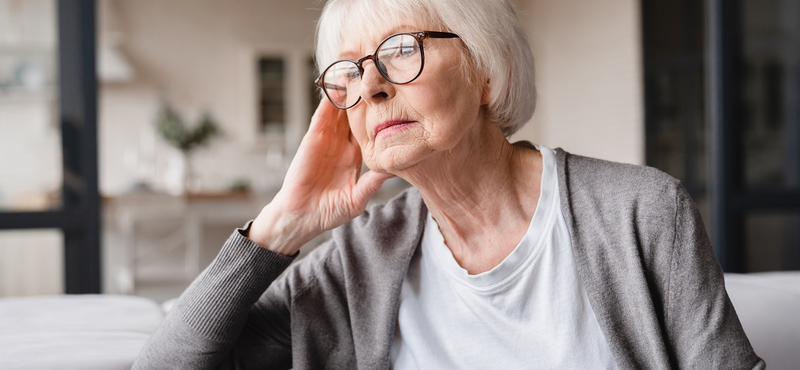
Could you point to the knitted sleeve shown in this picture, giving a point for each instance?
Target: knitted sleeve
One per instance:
(702, 324)
(210, 325)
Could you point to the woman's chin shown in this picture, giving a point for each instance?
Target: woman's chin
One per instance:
(398, 158)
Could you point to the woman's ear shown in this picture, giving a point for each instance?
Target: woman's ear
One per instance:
(486, 92)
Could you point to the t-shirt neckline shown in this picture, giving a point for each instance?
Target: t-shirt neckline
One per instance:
(526, 251)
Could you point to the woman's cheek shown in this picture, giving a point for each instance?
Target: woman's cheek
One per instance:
(357, 123)
(359, 132)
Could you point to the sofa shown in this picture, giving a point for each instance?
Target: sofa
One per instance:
(75, 331)
(768, 305)
(107, 331)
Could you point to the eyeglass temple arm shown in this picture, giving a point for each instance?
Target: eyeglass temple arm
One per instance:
(440, 35)
(327, 86)
(334, 87)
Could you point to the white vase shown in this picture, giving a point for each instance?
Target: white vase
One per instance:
(191, 182)
(174, 175)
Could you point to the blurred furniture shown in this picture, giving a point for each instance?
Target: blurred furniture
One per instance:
(156, 238)
(149, 230)
(75, 331)
(768, 305)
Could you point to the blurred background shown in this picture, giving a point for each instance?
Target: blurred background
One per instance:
(135, 135)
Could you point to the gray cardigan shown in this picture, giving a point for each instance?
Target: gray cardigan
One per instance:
(639, 243)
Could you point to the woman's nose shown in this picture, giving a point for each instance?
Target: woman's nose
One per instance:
(375, 88)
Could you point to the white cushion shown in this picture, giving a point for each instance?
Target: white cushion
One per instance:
(75, 331)
(768, 305)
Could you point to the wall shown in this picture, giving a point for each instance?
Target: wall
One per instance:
(200, 55)
(589, 76)
(588, 57)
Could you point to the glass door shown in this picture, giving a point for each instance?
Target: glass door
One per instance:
(49, 203)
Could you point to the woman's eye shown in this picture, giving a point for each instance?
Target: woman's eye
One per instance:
(396, 52)
(352, 74)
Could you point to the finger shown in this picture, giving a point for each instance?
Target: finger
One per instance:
(328, 119)
(368, 185)
(322, 109)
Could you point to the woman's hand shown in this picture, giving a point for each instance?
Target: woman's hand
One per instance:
(322, 189)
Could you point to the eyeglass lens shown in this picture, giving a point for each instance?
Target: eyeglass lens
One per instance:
(399, 60)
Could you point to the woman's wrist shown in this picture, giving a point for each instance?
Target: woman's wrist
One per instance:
(273, 231)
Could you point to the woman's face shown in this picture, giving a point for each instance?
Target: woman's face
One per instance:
(399, 126)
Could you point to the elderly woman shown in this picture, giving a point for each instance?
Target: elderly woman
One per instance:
(500, 256)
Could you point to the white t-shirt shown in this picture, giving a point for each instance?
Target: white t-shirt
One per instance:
(529, 312)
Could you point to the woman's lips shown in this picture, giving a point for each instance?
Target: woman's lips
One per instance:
(387, 127)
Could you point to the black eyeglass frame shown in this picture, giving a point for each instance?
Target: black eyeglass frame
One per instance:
(418, 35)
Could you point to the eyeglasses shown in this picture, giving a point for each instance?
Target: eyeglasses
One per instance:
(399, 58)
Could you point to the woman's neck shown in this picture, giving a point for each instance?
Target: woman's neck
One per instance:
(482, 194)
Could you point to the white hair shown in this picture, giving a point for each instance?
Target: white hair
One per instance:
(490, 29)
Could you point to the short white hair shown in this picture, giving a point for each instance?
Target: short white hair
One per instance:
(490, 29)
